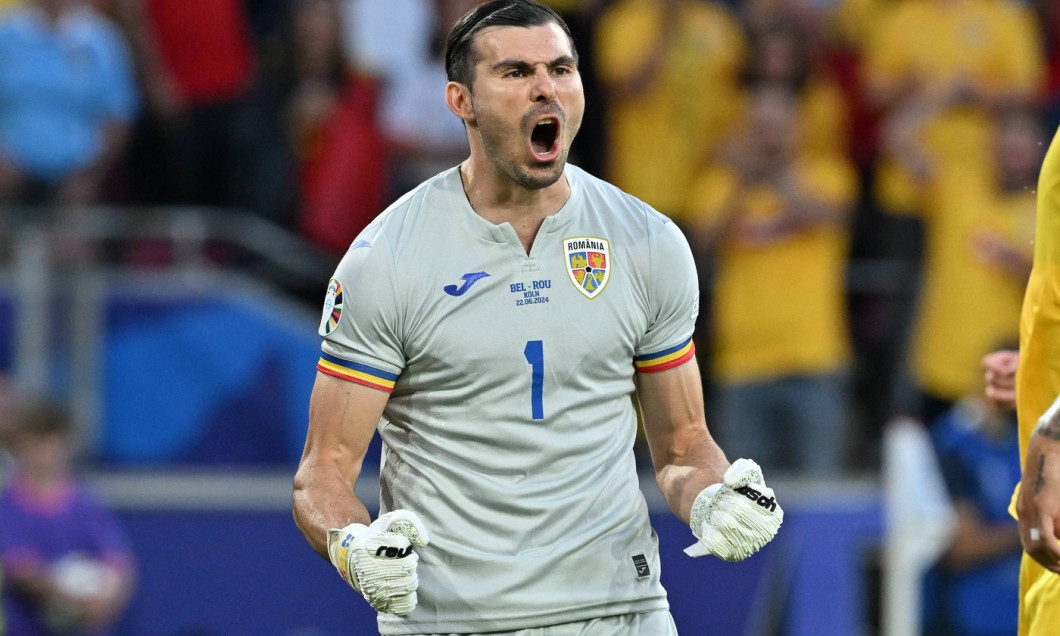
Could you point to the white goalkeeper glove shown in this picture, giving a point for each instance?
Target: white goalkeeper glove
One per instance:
(734, 519)
(378, 560)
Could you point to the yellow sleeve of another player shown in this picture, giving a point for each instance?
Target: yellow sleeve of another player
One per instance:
(1038, 376)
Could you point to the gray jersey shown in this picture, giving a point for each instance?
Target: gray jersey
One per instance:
(510, 425)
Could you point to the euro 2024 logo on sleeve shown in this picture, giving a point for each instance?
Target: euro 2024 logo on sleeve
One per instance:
(332, 308)
(588, 263)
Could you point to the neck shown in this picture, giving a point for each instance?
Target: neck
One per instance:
(50, 495)
(498, 199)
(44, 481)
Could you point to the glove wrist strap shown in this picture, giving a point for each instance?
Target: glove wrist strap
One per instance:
(336, 537)
(701, 509)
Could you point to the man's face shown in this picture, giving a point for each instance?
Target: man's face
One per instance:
(772, 124)
(527, 100)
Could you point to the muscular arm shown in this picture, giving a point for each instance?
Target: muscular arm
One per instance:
(342, 419)
(1038, 504)
(685, 456)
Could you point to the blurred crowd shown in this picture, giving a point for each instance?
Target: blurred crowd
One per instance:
(856, 179)
(789, 138)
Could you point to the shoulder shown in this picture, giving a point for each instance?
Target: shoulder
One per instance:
(403, 231)
(89, 503)
(620, 206)
(644, 234)
(397, 224)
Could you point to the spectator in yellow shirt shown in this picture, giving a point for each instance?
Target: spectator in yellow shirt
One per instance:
(671, 70)
(775, 222)
(979, 245)
(959, 59)
(781, 54)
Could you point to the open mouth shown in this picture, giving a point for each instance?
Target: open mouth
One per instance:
(544, 139)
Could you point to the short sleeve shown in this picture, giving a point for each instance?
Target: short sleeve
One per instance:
(361, 318)
(673, 292)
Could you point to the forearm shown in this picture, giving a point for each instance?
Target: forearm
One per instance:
(1041, 470)
(686, 473)
(692, 471)
(342, 421)
(1038, 504)
(322, 500)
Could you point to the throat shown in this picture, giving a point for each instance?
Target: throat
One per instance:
(527, 232)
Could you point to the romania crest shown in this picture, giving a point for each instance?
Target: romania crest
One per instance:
(588, 263)
(332, 308)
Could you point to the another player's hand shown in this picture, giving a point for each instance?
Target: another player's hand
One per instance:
(999, 372)
(379, 560)
(734, 519)
(1038, 504)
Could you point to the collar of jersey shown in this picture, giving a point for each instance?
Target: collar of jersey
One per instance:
(504, 232)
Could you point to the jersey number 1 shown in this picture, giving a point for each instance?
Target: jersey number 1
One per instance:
(535, 355)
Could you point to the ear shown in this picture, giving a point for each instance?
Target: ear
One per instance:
(458, 98)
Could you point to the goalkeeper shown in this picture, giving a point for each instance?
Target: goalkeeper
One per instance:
(492, 326)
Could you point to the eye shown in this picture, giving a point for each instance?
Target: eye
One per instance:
(514, 73)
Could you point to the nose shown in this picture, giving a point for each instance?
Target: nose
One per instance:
(543, 89)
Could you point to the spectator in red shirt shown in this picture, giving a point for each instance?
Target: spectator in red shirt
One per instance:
(324, 112)
(200, 142)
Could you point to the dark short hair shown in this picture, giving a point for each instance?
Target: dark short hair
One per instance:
(460, 54)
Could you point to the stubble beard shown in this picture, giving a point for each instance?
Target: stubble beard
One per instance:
(497, 144)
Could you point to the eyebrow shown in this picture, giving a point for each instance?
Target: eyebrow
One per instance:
(523, 65)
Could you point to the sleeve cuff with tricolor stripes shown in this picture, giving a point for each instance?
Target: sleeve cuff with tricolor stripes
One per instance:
(665, 359)
(356, 372)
